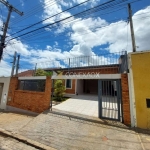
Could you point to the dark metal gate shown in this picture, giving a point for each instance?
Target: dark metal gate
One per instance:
(109, 93)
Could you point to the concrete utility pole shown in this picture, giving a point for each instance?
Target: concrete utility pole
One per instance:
(17, 66)
(10, 8)
(13, 65)
(34, 72)
(131, 28)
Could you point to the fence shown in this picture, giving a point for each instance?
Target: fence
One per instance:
(107, 59)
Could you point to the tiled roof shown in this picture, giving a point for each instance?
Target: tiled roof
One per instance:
(27, 73)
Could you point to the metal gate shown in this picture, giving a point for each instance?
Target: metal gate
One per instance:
(109, 95)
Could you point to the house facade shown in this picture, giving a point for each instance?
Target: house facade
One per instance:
(122, 88)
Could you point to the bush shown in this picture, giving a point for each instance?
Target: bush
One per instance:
(40, 72)
(59, 90)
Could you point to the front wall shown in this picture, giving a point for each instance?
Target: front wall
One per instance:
(141, 80)
(29, 100)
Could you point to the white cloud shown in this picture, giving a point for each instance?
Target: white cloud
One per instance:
(63, 3)
(54, 9)
(5, 68)
(19, 47)
(117, 35)
(86, 34)
(81, 1)
(22, 3)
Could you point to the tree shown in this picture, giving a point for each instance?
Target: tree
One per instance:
(59, 89)
(41, 72)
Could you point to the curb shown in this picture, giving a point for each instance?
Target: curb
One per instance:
(25, 140)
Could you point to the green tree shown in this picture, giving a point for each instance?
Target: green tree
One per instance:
(59, 89)
(41, 72)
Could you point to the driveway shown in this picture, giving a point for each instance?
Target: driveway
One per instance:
(88, 105)
(81, 104)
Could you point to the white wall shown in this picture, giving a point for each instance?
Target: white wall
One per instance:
(3, 100)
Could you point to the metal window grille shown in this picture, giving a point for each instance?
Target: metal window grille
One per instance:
(32, 85)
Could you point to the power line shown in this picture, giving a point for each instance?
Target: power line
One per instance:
(91, 10)
(3, 37)
(80, 34)
(32, 12)
(65, 19)
(75, 20)
(99, 28)
(52, 16)
(33, 35)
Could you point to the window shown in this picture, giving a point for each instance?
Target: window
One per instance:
(148, 103)
(32, 85)
(68, 83)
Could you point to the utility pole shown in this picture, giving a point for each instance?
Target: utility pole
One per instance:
(17, 66)
(10, 8)
(131, 28)
(34, 72)
(13, 65)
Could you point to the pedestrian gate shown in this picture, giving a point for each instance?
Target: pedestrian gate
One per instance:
(109, 95)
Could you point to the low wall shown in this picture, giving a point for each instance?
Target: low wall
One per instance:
(29, 100)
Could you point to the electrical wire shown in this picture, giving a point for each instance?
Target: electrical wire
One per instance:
(33, 35)
(134, 1)
(28, 37)
(100, 28)
(33, 11)
(81, 34)
(52, 16)
(91, 10)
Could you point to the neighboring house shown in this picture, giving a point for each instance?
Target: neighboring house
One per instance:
(27, 73)
(4, 87)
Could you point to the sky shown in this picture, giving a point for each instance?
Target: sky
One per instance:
(95, 34)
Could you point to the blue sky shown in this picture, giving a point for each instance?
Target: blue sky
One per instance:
(95, 33)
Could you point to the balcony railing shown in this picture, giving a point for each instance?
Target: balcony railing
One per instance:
(94, 61)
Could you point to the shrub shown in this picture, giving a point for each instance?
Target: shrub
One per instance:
(59, 89)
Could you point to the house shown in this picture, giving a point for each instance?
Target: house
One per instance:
(107, 79)
(27, 73)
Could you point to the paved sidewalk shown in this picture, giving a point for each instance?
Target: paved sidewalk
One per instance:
(62, 133)
(13, 122)
(145, 140)
(7, 143)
